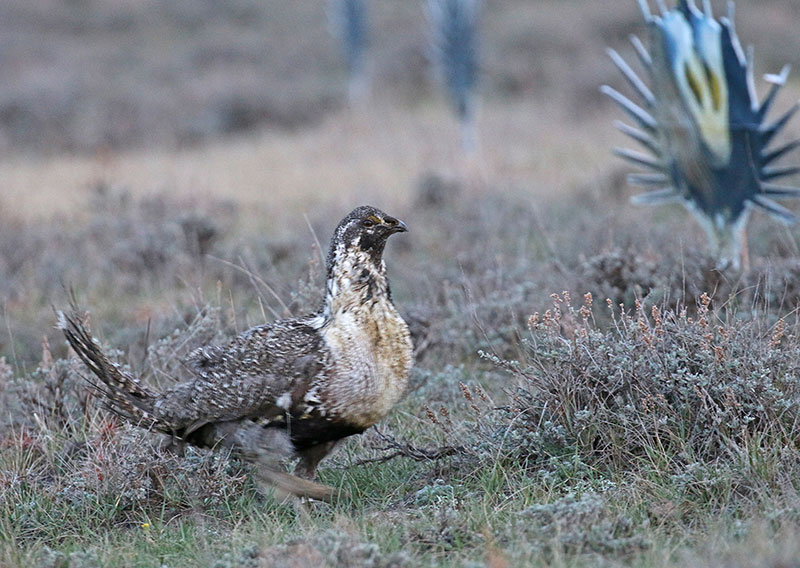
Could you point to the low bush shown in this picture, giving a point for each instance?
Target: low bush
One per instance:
(656, 390)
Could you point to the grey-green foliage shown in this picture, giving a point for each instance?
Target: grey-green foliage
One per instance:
(656, 389)
(332, 548)
(455, 49)
(584, 523)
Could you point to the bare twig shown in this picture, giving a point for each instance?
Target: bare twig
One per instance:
(407, 450)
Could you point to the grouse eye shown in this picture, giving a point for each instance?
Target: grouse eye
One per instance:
(367, 223)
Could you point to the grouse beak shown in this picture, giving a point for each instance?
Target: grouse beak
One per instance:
(394, 225)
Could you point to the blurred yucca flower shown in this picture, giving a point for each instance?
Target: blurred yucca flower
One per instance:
(455, 50)
(703, 126)
(348, 19)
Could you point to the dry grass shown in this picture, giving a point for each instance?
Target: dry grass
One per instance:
(374, 155)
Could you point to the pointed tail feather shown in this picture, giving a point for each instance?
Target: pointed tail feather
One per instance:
(773, 190)
(648, 180)
(123, 393)
(777, 81)
(640, 115)
(777, 211)
(642, 53)
(639, 159)
(769, 132)
(773, 155)
(640, 136)
(779, 172)
(657, 197)
(632, 78)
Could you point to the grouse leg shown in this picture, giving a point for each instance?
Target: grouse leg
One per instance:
(310, 458)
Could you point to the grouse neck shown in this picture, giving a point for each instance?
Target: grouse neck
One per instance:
(356, 280)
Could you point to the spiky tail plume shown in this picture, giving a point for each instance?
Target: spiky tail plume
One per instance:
(123, 394)
(705, 135)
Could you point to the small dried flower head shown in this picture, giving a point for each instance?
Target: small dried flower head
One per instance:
(465, 392)
(431, 416)
(777, 335)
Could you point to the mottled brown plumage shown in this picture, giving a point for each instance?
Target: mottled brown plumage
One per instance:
(293, 387)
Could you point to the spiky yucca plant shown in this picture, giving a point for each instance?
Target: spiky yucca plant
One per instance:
(455, 49)
(703, 126)
(349, 24)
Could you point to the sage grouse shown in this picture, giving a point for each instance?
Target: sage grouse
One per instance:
(706, 135)
(294, 387)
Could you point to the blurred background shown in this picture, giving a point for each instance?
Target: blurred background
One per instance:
(248, 99)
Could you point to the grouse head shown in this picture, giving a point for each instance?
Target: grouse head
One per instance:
(364, 230)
